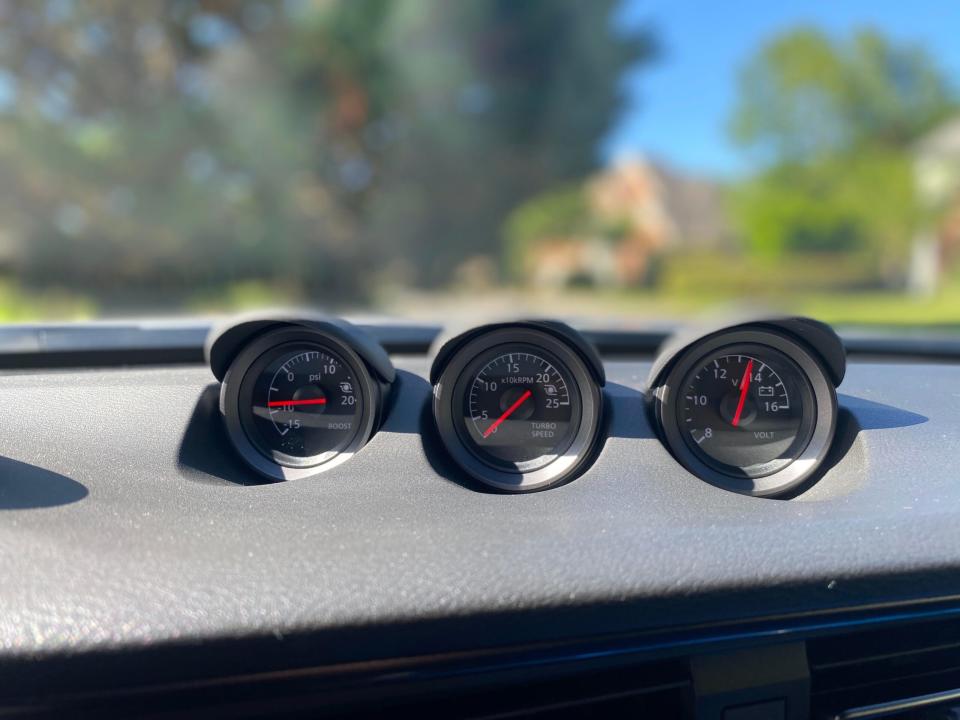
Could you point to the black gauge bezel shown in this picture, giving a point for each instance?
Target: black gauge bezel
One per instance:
(236, 400)
(818, 421)
(448, 402)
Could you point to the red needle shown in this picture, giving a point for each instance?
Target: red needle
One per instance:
(744, 386)
(507, 413)
(285, 403)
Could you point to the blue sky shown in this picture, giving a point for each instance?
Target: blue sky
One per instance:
(679, 106)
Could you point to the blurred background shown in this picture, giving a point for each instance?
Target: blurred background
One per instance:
(616, 159)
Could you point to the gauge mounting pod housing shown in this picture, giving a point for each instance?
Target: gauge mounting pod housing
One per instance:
(518, 405)
(299, 395)
(750, 407)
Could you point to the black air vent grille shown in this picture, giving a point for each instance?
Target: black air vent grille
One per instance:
(583, 689)
(876, 666)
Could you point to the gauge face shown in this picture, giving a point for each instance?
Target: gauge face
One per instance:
(742, 410)
(299, 400)
(517, 407)
(518, 410)
(305, 405)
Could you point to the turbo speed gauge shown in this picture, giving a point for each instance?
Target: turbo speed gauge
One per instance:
(517, 408)
(519, 412)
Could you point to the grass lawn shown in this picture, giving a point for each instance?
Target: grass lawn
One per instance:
(885, 309)
(648, 308)
(18, 305)
(624, 308)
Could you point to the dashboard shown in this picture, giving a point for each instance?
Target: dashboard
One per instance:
(148, 562)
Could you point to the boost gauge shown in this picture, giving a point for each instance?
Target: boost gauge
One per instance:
(306, 404)
(751, 408)
(299, 397)
(518, 406)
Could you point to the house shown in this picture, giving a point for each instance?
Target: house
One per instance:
(936, 166)
(646, 209)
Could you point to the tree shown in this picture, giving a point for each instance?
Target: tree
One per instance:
(153, 149)
(831, 123)
(501, 101)
(157, 149)
(860, 205)
(805, 96)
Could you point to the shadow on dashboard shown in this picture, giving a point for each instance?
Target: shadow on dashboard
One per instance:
(205, 452)
(878, 416)
(625, 414)
(437, 457)
(854, 416)
(402, 410)
(26, 487)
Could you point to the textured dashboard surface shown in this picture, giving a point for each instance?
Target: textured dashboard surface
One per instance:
(125, 520)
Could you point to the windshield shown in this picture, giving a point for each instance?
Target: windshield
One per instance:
(628, 162)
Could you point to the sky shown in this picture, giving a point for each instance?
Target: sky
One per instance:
(679, 106)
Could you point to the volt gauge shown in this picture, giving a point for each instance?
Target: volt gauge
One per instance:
(746, 408)
(518, 406)
(751, 408)
(299, 396)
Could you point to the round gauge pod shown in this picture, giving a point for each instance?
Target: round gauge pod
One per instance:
(518, 405)
(299, 396)
(750, 408)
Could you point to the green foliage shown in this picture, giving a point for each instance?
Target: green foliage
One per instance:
(863, 203)
(168, 148)
(834, 122)
(553, 215)
(806, 95)
(502, 101)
